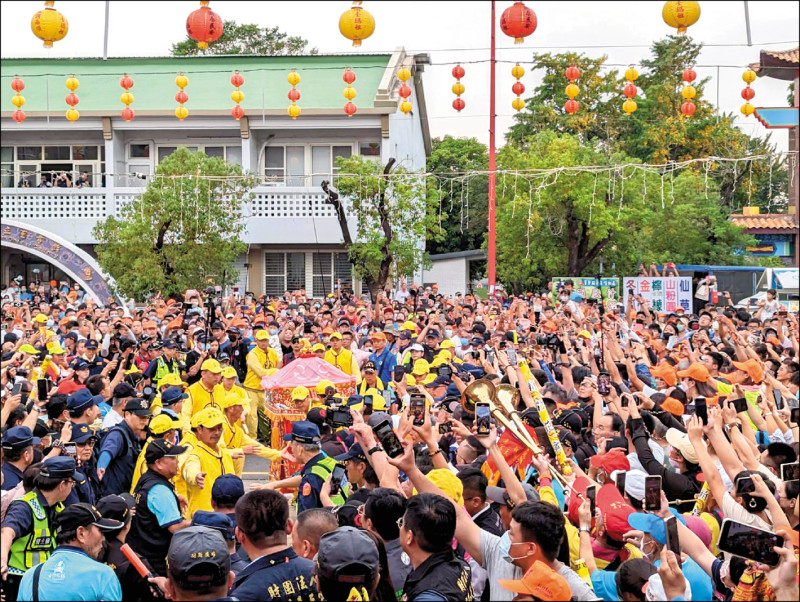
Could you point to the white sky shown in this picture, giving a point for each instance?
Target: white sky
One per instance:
(450, 32)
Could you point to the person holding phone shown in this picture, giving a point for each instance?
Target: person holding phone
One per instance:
(317, 465)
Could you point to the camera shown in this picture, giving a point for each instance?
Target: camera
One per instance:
(548, 340)
(337, 415)
(149, 393)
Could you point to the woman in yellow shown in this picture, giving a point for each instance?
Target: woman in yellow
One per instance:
(161, 427)
(207, 460)
(234, 438)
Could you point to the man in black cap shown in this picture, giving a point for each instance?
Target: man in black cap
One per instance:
(158, 510)
(166, 363)
(72, 572)
(91, 357)
(82, 407)
(122, 393)
(121, 447)
(84, 491)
(18, 445)
(238, 352)
(118, 507)
(317, 466)
(199, 566)
(27, 533)
(359, 471)
(348, 565)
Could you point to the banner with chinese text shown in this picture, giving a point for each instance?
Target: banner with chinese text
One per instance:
(663, 294)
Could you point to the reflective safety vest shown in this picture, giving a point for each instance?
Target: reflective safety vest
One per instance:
(36, 547)
(323, 469)
(162, 369)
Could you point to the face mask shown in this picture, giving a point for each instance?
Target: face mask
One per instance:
(273, 331)
(316, 305)
(448, 332)
(50, 323)
(715, 325)
(464, 342)
(504, 547)
(679, 327)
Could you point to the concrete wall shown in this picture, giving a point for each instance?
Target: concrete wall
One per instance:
(452, 275)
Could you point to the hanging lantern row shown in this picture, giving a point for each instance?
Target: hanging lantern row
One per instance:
(349, 92)
(127, 98)
(680, 15)
(517, 71)
(18, 100)
(630, 90)
(404, 91)
(518, 22)
(181, 97)
(237, 96)
(458, 88)
(356, 24)
(688, 92)
(572, 89)
(72, 99)
(294, 94)
(204, 25)
(749, 76)
(49, 25)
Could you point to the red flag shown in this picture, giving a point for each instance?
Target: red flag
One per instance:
(512, 450)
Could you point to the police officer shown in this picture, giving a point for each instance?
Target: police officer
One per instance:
(18, 445)
(96, 363)
(82, 407)
(317, 465)
(238, 352)
(166, 363)
(158, 510)
(86, 490)
(73, 572)
(118, 507)
(121, 447)
(199, 566)
(26, 535)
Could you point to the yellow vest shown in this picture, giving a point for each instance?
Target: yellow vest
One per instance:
(214, 464)
(188, 440)
(363, 387)
(199, 398)
(268, 359)
(234, 437)
(343, 361)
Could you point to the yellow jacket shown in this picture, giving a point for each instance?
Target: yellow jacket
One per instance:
(188, 440)
(200, 398)
(214, 464)
(234, 439)
(258, 362)
(345, 361)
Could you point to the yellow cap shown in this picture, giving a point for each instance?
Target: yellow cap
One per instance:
(410, 380)
(336, 335)
(378, 402)
(162, 423)
(585, 334)
(300, 393)
(449, 483)
(421, 367)
(409, 326)
(429, 379)
(438, 361)
(207, 417)
(26, 348)
(134, 369)
(232, 399)
(212, 366)
(172, 380)
(40, 318)
(322, 385)
(318, 347)
(229, 372)
(56, 349)
(446, 344)
(262, 335)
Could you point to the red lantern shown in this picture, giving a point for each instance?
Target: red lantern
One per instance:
(237, 112)
(573, 73)
(404, 91)
(72, 99)
(571, 106)
(128, 114)
(518, 21)
(294, 95)
(18, 115)
(126, 82)
(458, 104)
(348, 76)
(17, 85)
(458, 71)
(237, 79)
(181, 97)
(204, 26)
(518, 88)
(350, 109)
(748, 93)
(688, 108)
(689, 75)
(630, 90)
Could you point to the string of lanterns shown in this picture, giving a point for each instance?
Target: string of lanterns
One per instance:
(749, 76)
(517, 71)
(458, 88)
(72, 99)
(630, 90)
(127, 98)
(237, 96)
(572, 89)
(404, 91)
(181, 97)
(294, 94)
(18, 100)
(349, 92)
(688, 92)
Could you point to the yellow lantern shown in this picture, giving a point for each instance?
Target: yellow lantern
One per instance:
(72, 83)
(356, 24)
(294, 111)
(680, 14)
(518, 104)
(629, 106)
(572, 90)
(72, 115)
(403, 74)
(458, 88)
(749, 76)
(181, 81)
(49, 25)
(237, 96)
(349, 93)
(17, 100)
(293, 78)
(405, 107)
(747, 109)
(688, 92)
(631, 74)
(126, 98)
(517, 71)
(181, 112)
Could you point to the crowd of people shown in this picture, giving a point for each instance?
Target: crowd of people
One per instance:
(538, 447)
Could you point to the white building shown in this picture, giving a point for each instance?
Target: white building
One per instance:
(293, 236)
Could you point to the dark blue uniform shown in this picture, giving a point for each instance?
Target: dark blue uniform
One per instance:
(12, 476)
(312, 481)
(280, 576)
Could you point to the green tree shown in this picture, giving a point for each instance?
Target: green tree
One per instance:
(247, 38)
(394, 214)
(183, 231)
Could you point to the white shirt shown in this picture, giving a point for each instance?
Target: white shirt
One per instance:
(112, 419)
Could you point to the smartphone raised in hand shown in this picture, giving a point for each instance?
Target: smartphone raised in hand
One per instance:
(336, 479)
(652, 493)
(41, 389)
(418, 409)
(739, 404)
(483, 416)
(701, 409)
(591, 495)
(749, 542)
(388, 438)
(673, 541)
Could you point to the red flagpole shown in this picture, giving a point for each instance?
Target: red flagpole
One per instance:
(492, 169)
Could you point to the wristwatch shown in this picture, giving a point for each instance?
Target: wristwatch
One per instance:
(372, 450)
(433, 453)
(585, 530)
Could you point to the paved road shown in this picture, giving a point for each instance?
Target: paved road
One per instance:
(256, 470)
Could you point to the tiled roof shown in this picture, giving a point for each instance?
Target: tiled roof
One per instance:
(790, 56)
(765, 221)
(778, 64)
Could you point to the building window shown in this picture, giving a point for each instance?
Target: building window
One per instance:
(284, 272)
(139, 151)
(232, 154)
(7, 166)
(32, 166)
(306, 165)
(369, 149)
(323, 274)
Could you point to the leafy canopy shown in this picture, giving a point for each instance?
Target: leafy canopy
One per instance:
(247, 38)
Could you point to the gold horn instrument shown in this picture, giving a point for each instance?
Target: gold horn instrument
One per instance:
(507, 397)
